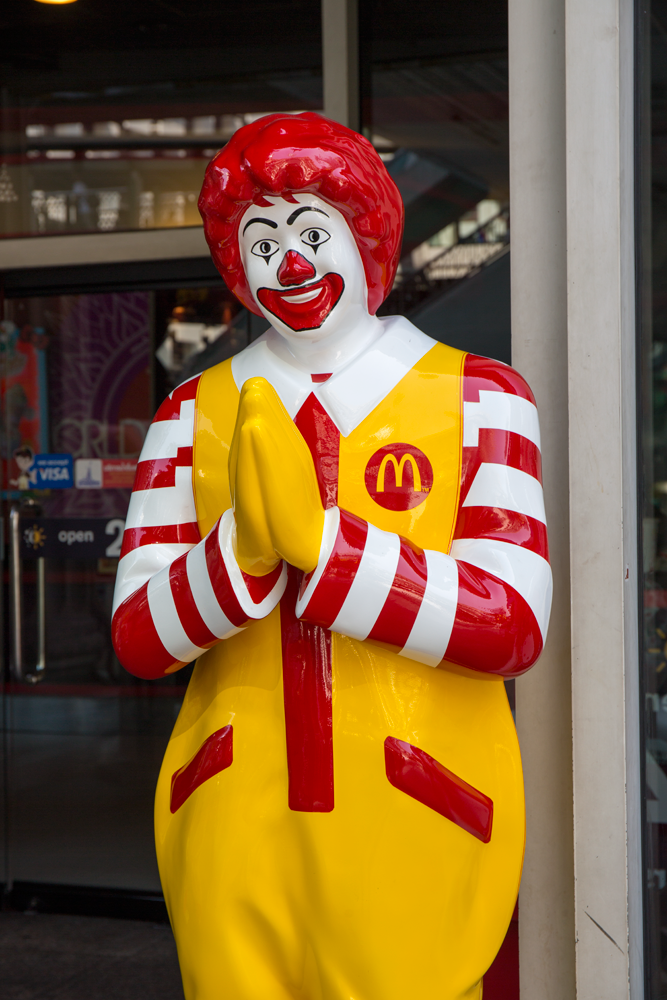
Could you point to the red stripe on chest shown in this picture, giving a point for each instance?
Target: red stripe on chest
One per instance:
(323, 438)
(306, 652)
(306, 648)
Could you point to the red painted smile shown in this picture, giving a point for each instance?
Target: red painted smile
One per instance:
(305, 307)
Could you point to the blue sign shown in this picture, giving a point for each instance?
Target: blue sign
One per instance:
(52, 472)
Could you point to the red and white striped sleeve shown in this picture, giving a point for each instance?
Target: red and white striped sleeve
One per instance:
(484, 605)
(177, 594)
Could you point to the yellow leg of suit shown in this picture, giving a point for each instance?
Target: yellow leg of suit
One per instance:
(380, 899)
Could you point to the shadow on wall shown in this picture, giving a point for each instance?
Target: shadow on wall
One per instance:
(474, 316)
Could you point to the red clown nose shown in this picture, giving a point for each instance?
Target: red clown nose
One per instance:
(295, 269)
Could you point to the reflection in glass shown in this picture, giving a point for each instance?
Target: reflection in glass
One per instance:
(81, 376)
(108, 119)
(435, 105)
(653, 295)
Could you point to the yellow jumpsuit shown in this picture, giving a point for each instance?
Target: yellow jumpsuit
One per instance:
(381, 898)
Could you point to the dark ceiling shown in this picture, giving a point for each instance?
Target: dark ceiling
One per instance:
(40, 30)
(41, 35)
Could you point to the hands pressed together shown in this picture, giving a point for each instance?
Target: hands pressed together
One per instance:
(275, 494)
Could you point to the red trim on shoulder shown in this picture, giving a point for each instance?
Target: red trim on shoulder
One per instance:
(495, 630)
(484, 373)
(135, 638)
(158, 473)
(170, 409)
(187, 534)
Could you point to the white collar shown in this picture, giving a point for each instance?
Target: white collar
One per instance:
(355, 389)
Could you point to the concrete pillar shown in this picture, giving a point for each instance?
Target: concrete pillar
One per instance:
(340, 61)
(573, 337)
(539, 352)
(599, 48)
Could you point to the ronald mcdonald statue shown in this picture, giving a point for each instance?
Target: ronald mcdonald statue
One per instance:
(344, 526)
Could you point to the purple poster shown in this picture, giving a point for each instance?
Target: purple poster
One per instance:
(100, 400)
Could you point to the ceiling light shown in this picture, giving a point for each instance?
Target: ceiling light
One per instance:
(56, 1)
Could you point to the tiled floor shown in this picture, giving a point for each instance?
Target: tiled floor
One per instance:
(45, 957)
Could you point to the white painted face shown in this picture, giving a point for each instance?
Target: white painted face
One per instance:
(303, 267)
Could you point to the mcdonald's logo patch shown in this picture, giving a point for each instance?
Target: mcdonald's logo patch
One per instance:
(399, 477)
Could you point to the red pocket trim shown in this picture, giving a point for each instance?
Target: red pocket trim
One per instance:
(214, 755)
(421, 776)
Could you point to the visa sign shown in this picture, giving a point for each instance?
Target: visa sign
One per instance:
(53, 472)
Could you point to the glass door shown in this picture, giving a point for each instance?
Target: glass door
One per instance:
(81, 377)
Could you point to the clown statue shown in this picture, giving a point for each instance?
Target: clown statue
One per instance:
(344, 526)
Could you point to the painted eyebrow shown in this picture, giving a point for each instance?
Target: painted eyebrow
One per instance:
(267, 222)
(306, 208)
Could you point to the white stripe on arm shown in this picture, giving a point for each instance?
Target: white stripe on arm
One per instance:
(165, 617)
(191, 604)
(139, 565)
(165, 437)
(507, 488)
(433, 625)
(371, 584)
(502, 411)
(165, 508)
(241, 583)
(524, 570)
(204, 595)
(163, 505)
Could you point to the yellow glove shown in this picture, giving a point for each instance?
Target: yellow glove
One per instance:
(276, 498)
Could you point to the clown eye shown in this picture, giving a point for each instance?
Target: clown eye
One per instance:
(314, 237)
(265, 249)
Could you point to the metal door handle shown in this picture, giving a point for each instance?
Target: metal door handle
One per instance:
(18, 666)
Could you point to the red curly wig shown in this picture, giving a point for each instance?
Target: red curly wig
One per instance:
(282, 154)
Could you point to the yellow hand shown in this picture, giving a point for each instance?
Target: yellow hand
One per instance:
(277, 505)
(253, 546)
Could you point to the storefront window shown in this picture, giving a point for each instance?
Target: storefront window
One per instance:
(435, 105)
(81, 376)
(108, 118)
(652, 239)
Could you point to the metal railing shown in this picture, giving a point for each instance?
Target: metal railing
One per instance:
(455, 263)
